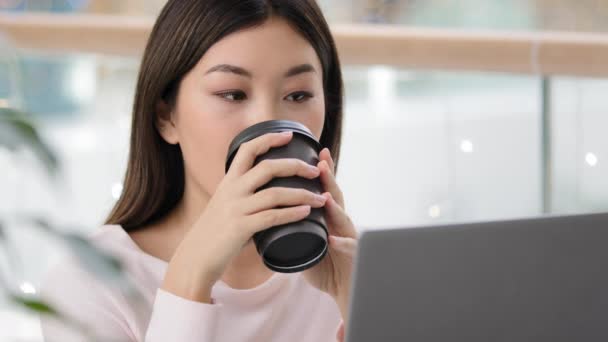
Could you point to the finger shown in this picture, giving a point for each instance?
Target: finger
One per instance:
(345, 245)
(341, 335)
(329, 182)
(275, 217)
(268, 169)
(325, 154)
(250, 150)
(281, 197)
(338, 222)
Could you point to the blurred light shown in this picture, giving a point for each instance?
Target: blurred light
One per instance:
(591, 159)
(466, 146)
(84, 139)
(116, 190)
(82, 80)
(434, 211)
(382, 89)
(27, 288)
(3, 103)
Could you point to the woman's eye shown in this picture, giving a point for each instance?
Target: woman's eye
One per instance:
(299, 96)
(233, 96)
(237, 96)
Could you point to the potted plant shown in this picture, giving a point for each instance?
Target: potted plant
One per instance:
(17, 131)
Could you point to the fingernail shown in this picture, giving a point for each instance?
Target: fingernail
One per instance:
(314, 168)
(326, 165)
(304, 208)
(320, 198)
(286, 133)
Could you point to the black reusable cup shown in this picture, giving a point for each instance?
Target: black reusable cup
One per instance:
(299, 245)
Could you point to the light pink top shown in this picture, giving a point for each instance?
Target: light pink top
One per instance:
(284, 308)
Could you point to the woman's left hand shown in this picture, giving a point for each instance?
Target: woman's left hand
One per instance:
(333, 274)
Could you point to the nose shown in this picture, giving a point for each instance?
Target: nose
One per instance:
(265, 109)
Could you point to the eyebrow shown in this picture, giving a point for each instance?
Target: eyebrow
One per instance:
(296, 70)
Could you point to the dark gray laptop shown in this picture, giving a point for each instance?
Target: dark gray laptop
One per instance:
(542, 279)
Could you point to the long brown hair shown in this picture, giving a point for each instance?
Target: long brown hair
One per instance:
(183, 32)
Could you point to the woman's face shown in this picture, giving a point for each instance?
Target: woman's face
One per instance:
(262, 73)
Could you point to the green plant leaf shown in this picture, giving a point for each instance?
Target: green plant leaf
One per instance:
(34, 304)
(42, 308)
(16, 130)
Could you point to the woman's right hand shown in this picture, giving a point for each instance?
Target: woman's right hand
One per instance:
(235, 212)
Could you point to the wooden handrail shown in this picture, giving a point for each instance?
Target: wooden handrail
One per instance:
(542, 53)
(113, 35)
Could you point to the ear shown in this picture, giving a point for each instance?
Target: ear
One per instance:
(165, 124)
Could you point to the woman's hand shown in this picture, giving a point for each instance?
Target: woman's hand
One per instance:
(333, 274)
(235, 212)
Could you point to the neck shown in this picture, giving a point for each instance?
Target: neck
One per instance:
(246, 270)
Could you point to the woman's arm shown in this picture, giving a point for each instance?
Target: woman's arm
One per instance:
(178, 319)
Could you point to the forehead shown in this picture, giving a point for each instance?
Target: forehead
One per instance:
(273, 45)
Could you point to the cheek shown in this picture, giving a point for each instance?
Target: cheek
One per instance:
(204, 136)
(314, 117)
(204, 143)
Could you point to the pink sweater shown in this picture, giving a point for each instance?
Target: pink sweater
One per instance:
(284, 308)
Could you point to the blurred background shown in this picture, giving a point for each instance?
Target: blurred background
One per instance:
(434, 138)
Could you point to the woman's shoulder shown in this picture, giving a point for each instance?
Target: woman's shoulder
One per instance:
(83, 284)
(116, 241)
(73, 267)
(88, 265)
(95, 270)
(111, 237)
(73, 292)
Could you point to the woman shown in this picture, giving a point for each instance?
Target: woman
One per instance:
(182, 227)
